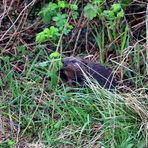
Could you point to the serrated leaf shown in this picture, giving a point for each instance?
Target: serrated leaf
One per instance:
(109, 14)
(60, 20)
(90, 11)
(47, 12)
(52, 6)
(75, 15)
(73, 7)
(61, 4)
(53, 31)
(46, 32)
(40, 37)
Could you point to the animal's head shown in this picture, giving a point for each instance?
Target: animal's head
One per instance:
(74, 62)
(72, 70)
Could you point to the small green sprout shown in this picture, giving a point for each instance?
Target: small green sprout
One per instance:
(116, 7)
(55, 64)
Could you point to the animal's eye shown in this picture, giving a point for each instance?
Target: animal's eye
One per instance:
(73, 61)
(64, 63)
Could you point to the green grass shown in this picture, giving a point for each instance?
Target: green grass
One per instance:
(32, 112)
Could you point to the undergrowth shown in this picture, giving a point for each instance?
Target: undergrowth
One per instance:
(38, 110)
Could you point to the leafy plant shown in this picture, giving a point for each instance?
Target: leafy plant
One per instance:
(52, 33)
(7, 143)
(116, 7)
(55, 63)
(62, 24)
(53, 12)
(113, 15)
(94, 9)
(47, 12)
(62, 4)
(60, 20)
(90, 11)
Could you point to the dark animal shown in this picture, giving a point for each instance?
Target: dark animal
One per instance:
(80, 71)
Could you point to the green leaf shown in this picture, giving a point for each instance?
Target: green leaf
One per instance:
(60, 20)
(75, 15)
(21, 49)
(98, 1)
(100, 10)
(125, 3)
(10, 142)
(52, 6)
(67, 28)
(46, 32)
(45, 15)
(109, 14)
(116, 7)
(53, 32)
(73, 7)
(42, 64)
(59, 17)
(90, 11)
(54, 55)
(120, 14)
(61, 4)
(7, 143)
(47, 12)
(40, 37)
(57, 124)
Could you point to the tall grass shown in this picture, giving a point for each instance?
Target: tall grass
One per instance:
(84, 117)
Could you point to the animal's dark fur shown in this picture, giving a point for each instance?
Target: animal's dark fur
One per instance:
(76, 70)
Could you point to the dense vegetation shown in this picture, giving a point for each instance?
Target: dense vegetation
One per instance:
(37, 109)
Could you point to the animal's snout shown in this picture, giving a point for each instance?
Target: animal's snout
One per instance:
(64, 62)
